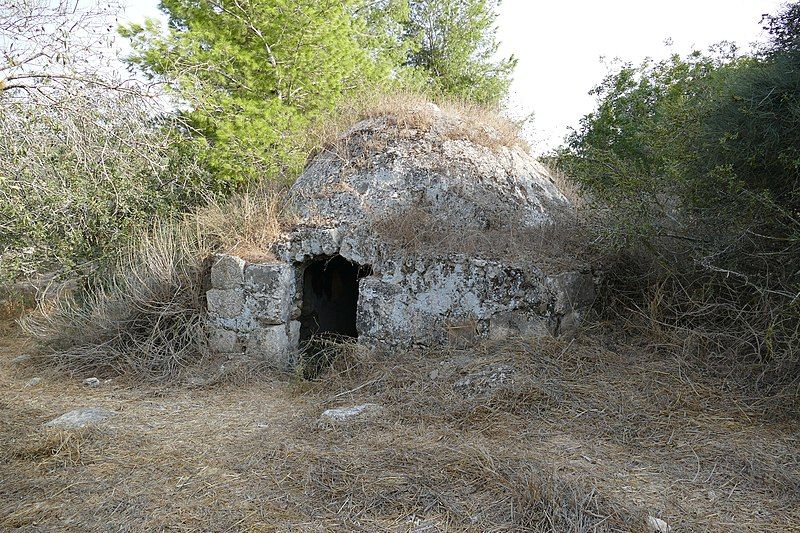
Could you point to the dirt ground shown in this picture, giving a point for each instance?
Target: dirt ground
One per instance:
(588, 435)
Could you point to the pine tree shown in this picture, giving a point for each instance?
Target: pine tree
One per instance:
(453, 43)
(252, 73)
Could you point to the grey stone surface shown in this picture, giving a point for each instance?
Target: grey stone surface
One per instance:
(433, 299)
(463, 180)
(656, 525)
(271, 345)
(79, 418)
(271, 279)
(270, 292)
(32, 382)
(294, 334)
(227, 272)
(520, 322)
(345, 414)
(21, 359)
(221, 340)
(225, 303)
(573, 290)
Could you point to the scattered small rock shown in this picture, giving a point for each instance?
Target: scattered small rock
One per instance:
(20, 359)
(657, 525)
(91, 382)
(32, 382)
(430, 526)
(80, 418)
(484, 380)
(344, 414)
(434, 375)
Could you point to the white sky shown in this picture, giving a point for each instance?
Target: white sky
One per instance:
(559, 44)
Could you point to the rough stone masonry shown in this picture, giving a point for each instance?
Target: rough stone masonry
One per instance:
(336, 275)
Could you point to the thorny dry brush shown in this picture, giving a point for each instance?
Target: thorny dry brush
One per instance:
(146, 315)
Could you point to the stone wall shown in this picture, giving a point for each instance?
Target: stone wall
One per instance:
(251, 310)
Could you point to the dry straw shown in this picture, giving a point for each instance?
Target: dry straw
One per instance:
(146, 316)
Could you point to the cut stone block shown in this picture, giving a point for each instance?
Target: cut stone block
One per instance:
(380, 310)
(268, 310)
(518, 323)
(221, 340)
(270, 290)
(269, 278)
(227, 272)
(294, 334)
(270, 344)
(573, 290)
(225, 303)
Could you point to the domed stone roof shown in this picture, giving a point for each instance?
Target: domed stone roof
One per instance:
(459, 173)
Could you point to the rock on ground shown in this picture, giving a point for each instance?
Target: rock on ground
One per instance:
(344, 414)
(21, 359)
(657, 525)
(79, 418)
(32, 382)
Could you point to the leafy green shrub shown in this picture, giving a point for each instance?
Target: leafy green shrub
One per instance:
(695, 164)
(77, 178)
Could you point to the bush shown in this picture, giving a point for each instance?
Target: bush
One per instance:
(145, 315)
(694, 163)
(78, 178)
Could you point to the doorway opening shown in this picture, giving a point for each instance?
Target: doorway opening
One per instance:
(330, 298)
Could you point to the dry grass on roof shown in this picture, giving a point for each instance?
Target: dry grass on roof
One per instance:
(247, 224)
(555, 247)
(462, 120)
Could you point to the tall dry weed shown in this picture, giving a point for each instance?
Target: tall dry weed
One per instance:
(145, 315)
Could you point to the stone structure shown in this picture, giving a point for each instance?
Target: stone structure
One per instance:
(358, 263)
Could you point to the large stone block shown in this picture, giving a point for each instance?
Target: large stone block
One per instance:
(294, 334)
(227, 272)
(268, 278)
(221, 340)
(271, 344)
(573, 291)
(524, 323)
(225, 303)
(270, 292)
(267, 310)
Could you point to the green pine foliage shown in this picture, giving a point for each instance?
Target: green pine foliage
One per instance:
(252, 74)
(453, 43)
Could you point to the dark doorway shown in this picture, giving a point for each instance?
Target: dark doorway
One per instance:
(330, 298)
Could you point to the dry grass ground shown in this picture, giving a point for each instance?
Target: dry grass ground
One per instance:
(589, 435)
